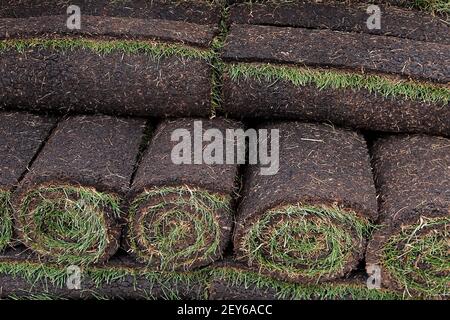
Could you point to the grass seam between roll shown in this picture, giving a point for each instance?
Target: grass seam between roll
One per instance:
(331, 79)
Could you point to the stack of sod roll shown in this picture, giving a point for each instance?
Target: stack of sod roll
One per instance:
(134, 150)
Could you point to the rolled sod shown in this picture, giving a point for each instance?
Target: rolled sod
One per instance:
(309, 222)
(412, 245)
(233, 281)
(180, 216)
(67, 208)
(22, 135)
(192, 11)
(369, 102)
(123, 77)
(346, 17)
(120, 278)
(353, 51)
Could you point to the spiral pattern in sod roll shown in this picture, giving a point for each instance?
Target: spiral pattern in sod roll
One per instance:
(69, 224)
(418, 257)
(305, 242)
(178, 228)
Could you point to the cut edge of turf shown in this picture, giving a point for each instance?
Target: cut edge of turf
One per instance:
(6, 224)
(160, 247)
(431, 249)
(169, 282)
(331, 79)
(155, 50)
(71, 212)
(340, 232)
(292, 291)
(430, 6)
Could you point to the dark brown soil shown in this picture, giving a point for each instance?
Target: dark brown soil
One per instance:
(22, 134)
(319, 165)
(128, 28)
(195, 11)
(343, 17)
(412, 177)
(115, 83)
(412, 174)
(362, 52)
(88, 151)
(157, 170)
(258, 98)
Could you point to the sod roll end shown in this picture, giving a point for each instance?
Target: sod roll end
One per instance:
(310, 221)
(68, 207)
(181, 214)
(177, 227)
(412, 247)
(72, 224)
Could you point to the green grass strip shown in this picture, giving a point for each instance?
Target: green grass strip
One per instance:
(182, 230)
(155, 50)
(304, 240)
(291, 291)
(323, 79)
(6, 224)
(433, 6)
(170, 283)
(419, 257)
(67, 223)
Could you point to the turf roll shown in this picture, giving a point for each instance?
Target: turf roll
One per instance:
(411, 247)
(180, 216)
(193, 11)
(233, 281)
(370, 102)
(349, 17)
(22, 135)
(25, 277)
(309, 222)
(67, 208)
(354, 51)
(122, 61)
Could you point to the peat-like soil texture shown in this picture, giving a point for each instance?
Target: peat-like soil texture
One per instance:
(310, 222)
(123, 61)
(336, 70)
(180, 215)
(22, 135)
(68, 207)
(412, 246)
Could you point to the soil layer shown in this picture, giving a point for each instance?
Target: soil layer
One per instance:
(361, 52)
(194, 11)
(129, 28)
(343, 17)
